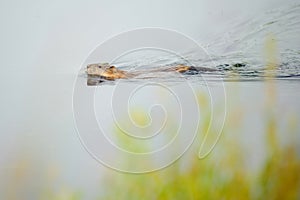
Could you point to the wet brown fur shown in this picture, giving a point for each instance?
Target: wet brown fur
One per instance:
(104, 70)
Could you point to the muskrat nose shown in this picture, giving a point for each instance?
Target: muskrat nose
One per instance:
(90, 65)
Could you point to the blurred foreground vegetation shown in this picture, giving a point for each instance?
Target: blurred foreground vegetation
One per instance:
(223, 174)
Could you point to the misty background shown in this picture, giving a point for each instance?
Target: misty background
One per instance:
(44, 43)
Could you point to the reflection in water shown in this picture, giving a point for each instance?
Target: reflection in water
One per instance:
(251, 125)
(258, 50)
(240, 56)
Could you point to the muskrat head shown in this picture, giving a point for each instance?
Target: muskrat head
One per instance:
(105, 70)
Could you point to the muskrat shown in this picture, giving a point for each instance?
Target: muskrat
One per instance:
(109, 72)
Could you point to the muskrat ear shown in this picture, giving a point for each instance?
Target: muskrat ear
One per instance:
(112, 67)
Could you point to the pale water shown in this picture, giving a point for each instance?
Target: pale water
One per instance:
(254, 56)
(257, 73)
